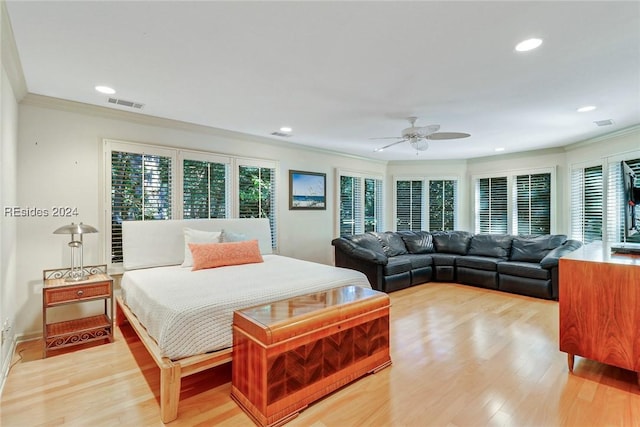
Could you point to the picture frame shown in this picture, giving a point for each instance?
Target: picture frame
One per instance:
(307, 190)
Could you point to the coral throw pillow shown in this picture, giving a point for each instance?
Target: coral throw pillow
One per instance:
(210, 255)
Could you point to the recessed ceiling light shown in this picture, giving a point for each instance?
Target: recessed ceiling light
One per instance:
(528, 44)
(285, 129)
(105, 89)
(500, 149)
(586, 108)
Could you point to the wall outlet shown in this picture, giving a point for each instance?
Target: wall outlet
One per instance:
(6, 327)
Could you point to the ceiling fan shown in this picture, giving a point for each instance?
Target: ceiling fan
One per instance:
(418, 136)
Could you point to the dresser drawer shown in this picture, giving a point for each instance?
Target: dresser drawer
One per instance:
(76, 293)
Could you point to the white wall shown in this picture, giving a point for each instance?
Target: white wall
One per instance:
(11, 87)
(60, 155)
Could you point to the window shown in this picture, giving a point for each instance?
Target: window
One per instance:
(140, 189)
(361, 205)
(256, 194)
(409, 205)
(442, 205)
(372, 204)
(492, 205)
(145, 182)
(587, 203)
(205, 189)
(533, 204)
(426, 204)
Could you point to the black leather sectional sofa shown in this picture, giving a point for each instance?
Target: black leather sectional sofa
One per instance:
(526, 265)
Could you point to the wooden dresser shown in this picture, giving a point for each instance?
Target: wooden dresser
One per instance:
(292, 352)
(599, 301)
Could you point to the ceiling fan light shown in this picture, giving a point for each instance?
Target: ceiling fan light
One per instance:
(419, 144)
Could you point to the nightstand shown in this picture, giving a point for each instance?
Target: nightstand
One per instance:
(57, 291)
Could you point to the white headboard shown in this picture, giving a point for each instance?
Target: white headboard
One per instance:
(157, 243)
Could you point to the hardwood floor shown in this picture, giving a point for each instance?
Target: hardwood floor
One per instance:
(462, 356)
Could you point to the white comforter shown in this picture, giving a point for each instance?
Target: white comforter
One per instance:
(191, 312)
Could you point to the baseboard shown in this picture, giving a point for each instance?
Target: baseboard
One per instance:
(6, 365)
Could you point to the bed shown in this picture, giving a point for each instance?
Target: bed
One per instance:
(184, 317)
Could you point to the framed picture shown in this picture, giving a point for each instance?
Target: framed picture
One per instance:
(307, 190)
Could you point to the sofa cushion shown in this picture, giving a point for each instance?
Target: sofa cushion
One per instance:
(452, 242)
(417, 260)
(478, 262)
(417, 242)
(524, 269)
(392, 244)
(534, 248)
(444, 259)
(367, 241)
(491, 245)
(397, 265)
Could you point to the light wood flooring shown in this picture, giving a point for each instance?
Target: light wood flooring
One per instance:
(462, 356)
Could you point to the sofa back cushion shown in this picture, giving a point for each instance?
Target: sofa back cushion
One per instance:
(534, 248)
(417, 242)
(491, 245)
(391, 242)
(367, 241)
(452, 242)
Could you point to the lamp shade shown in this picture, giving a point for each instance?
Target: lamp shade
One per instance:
(75, 229)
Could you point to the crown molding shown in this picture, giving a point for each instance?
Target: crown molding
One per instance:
(43, 101)
(10, 58)
(616, 134)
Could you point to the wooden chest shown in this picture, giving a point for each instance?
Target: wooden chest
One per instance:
(292, 352)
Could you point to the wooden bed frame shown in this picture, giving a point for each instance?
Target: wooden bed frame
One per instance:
(171, 371)
(159, 243)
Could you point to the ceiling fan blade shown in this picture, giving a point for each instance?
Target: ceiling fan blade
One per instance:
(447, 135)
(427, 130)
(389, 137)
(389, 145)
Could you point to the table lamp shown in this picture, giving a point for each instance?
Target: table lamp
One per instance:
(77, 267)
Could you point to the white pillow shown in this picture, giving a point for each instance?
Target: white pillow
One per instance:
(197, 236)
(230, 236)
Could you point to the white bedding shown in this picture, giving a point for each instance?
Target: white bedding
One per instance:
(191, 312)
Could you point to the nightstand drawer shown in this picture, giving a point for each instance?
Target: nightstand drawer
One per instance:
(76, 293)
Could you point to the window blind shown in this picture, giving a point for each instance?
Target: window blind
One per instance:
(140, 190)
(409, 205)
(373, 204)
(587, 203)
(350, 205)
(533, 204)
(492, 205)
(205, 189)
(256, 195)
(442, 205)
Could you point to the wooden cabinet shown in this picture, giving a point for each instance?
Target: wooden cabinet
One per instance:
(57, 291)
(599, 301)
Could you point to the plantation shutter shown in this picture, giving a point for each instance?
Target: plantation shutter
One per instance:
(442, 205)
(205, 189)
(533, 204)
(141, 189)
(586, 203)
(257, 192)
(493, 202)
(373, 204)
(350, 205)
(409, 205)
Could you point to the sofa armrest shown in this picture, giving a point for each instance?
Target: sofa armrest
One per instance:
(364, 254)
(551, 259)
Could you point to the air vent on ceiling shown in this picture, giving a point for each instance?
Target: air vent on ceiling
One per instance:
(607, 122)
(281, 134)
(126, 103)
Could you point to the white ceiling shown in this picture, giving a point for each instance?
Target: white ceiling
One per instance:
(340, 73)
